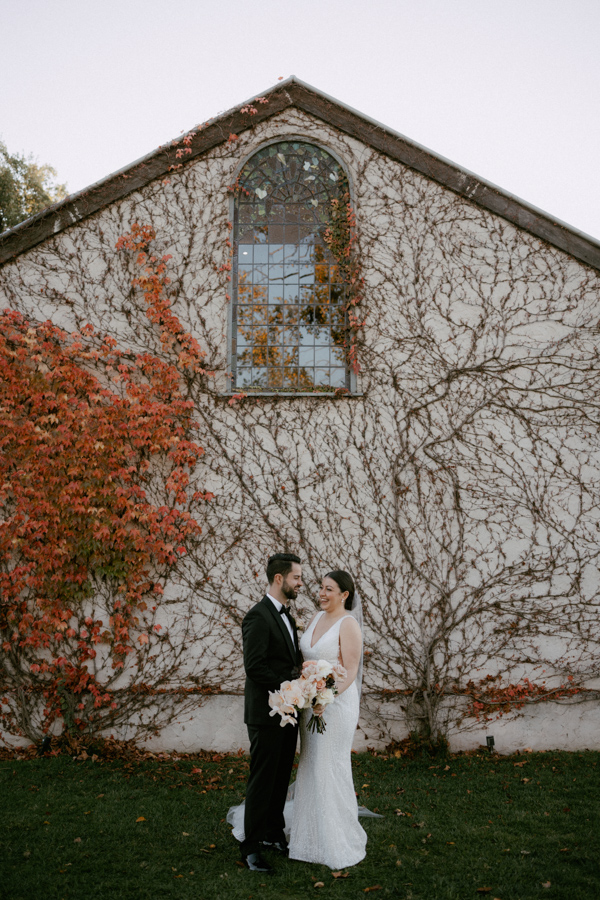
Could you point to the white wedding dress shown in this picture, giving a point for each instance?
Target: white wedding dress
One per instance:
(325, 827)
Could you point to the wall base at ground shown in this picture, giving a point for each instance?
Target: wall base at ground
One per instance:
(219, 725)
(547, 726)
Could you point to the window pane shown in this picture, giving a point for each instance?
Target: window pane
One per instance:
(261, 253)
(338, 378)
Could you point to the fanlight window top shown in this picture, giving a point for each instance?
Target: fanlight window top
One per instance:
(289, 316)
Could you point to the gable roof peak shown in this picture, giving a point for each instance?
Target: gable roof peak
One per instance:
(287, 93)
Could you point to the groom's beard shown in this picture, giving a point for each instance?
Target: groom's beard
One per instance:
(289, 592)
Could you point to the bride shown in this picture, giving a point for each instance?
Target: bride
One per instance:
(325, 827)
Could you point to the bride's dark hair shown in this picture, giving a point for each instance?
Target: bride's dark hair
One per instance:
(345, 583)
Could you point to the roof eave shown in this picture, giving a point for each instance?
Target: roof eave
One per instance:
(293, 92)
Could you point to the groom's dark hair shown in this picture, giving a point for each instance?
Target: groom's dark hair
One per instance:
(280, 564)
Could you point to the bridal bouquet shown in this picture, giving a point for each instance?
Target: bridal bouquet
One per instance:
(317, 686)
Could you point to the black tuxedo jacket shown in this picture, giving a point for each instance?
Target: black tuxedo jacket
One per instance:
(269, 658)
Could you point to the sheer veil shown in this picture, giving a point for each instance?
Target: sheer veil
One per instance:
(357, 613)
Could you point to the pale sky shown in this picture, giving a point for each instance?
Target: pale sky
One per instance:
(509, 89)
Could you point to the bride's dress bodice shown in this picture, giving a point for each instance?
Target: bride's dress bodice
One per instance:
(328, 645)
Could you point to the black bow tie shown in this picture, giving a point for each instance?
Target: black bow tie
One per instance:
(284, 611)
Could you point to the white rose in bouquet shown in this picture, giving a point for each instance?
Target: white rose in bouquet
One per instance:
(326, 696)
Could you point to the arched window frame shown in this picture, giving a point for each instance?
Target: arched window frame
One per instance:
(350, 385)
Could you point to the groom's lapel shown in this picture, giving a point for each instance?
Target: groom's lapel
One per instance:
(281, 625)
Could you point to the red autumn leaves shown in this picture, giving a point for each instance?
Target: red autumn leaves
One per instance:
(84, 427)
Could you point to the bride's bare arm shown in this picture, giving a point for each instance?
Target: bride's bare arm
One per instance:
(350, 651)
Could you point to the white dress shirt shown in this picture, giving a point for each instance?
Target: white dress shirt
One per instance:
(286, 620)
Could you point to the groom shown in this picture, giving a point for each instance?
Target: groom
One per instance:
(271, 655)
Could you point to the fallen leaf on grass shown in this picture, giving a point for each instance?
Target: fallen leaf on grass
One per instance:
(185, 833)
(564, 850)
(546, 884)
(340, 874)
(376, 887)
(319, 884)
(196, 771)
(140, 819)
(77, 841)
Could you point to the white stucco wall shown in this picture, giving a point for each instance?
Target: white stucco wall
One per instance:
(449, 290)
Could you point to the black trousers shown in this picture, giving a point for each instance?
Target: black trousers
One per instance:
(272, 750)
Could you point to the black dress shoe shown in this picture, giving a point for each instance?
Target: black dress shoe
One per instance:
(256, 863)
(280, 846)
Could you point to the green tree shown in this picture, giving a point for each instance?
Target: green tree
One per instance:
(25, 187)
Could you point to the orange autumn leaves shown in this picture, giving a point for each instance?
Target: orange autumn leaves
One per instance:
(83, 428)
(340, 237)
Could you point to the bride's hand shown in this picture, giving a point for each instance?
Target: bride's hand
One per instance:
(318, 710)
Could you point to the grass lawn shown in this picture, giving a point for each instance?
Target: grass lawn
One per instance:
(455, 828)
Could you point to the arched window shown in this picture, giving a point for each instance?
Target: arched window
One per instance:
(288, 312)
